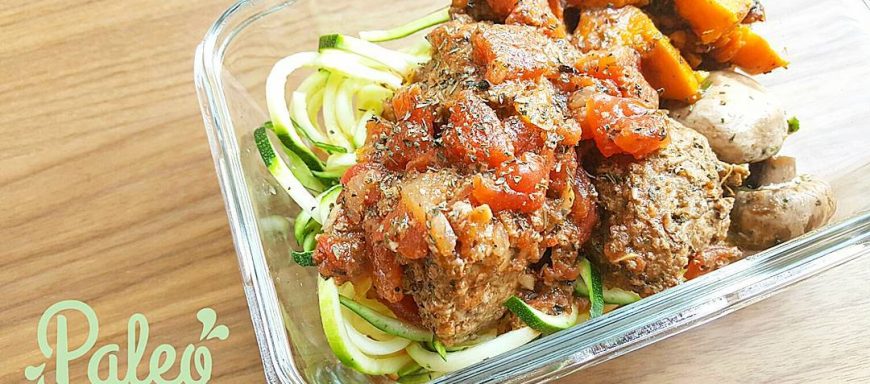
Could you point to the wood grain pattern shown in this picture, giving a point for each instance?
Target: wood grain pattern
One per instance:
(107, 189)
(108, 195)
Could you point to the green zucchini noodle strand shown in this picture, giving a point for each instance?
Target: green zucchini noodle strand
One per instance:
(327, 114)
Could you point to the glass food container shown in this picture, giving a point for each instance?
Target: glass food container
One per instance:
(826, 85)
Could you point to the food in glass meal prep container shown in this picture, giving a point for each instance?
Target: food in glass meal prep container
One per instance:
(527, 166)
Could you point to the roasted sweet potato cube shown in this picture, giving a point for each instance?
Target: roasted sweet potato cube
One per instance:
(756, 55)
(664, 68)
(712, 19)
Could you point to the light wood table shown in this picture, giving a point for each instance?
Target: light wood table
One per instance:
(108, 195)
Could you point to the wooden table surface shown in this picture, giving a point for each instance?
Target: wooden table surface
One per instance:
(108, 195)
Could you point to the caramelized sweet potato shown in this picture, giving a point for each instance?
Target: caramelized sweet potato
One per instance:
(755, 54)
(712, 19)
(719, 31)
(662, 65)
(664, 68)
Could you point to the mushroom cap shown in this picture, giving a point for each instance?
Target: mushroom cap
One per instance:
(773, 214)
(737, 116)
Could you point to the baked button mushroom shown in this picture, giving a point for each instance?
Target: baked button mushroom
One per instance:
(782, 208)
(740, 120)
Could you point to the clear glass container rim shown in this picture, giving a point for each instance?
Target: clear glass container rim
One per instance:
(622, 331)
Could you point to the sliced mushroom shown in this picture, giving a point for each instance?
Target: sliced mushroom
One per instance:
(775, 213)
(777, 169)
(740, 120)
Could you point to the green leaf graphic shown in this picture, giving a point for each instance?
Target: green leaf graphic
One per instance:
(207, 317)
(33, 372)
(221, 332)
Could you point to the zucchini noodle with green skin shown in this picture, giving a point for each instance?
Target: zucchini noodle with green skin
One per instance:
(318, 128)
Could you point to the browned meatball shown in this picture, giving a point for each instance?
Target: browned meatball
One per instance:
(461, 292)
(659, 211)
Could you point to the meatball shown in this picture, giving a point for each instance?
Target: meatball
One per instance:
(659, 211)
(461, 292)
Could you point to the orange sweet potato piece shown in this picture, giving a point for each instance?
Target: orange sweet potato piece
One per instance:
(724, 49)
(665, 69)
(747, 50)
(661, 64)
(756, 55)
(712, 19)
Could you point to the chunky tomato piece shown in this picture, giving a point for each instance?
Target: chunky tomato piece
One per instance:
(537, 13)
(561, 174)
(421, 163)
(361, 190)
(510, 52)
(607, 66)
(584, 212)
(573, 80)
(362, 179)
(711, 259)
(622, 125)
(407, 231)
(412, 242)
(570, 131)
(397, 144)
(406, 227)
(386, 271)
(502, 8)
(386, 274)
(524, 137)
(641, 135)
(518, 187)
(408, 106)
(353, 171)
(619, 71)
(525, 174)
(337, 255)
(501, 198)
(475, 135)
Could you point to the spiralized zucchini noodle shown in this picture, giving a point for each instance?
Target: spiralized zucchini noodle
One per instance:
(319, 126)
